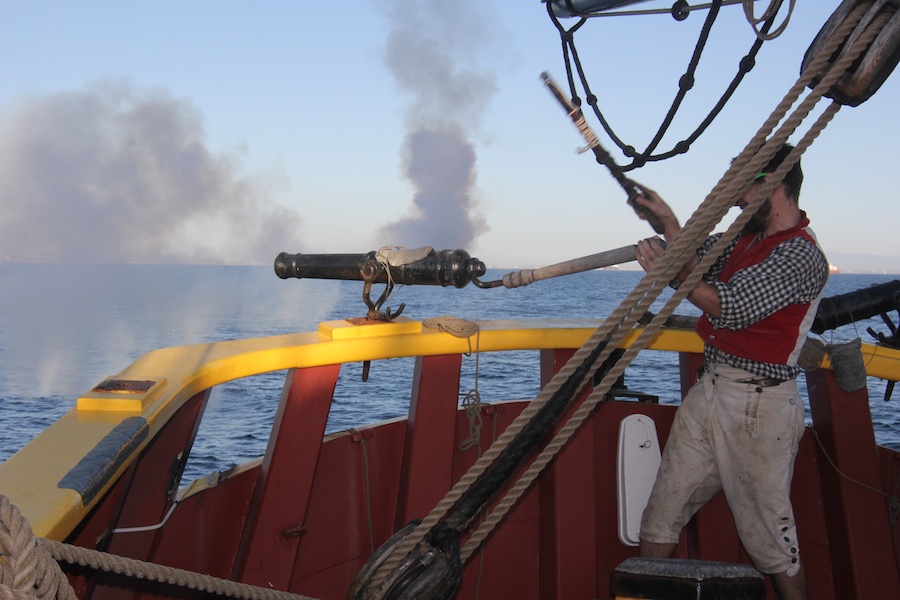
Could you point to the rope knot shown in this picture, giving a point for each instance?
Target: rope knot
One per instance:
(26, 568)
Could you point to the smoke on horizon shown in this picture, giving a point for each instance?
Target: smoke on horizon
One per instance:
(433, 50)
(119, 173)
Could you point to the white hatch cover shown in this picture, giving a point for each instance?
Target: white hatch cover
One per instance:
(638, 462)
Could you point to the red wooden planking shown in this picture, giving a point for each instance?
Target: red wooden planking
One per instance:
(863, 555)
(427, 468)
(567, 505)
(150, 485)
(276, 519)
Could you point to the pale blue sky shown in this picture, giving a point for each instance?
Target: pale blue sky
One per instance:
(298, 97)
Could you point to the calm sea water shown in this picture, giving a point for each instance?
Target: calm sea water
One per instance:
(64, 328)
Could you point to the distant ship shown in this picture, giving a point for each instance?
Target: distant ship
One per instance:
(833, 269)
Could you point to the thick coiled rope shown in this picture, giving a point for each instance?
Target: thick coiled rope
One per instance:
(29, 567)
(27, 570)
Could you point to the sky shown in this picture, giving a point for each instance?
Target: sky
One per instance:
(227, 132)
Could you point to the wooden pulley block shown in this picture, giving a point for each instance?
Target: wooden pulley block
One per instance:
(431, 571)
(875, 64)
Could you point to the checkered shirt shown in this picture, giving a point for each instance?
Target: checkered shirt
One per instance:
(795, 272)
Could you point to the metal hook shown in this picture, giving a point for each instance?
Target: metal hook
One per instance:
(370, 271)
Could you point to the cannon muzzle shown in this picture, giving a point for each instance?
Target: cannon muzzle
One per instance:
(422, 266)
(857, 306)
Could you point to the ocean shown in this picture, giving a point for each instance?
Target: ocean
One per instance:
(66, 327)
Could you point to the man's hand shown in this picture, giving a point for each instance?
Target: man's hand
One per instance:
(648, 251)
(656, 205)
(704, 295)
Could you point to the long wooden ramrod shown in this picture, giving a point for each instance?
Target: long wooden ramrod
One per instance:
(576, 265)
(602, 155)
(525, 277)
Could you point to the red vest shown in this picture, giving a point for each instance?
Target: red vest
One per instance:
(776, 339)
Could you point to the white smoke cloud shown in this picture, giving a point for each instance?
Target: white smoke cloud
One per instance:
(433, 51)
(119, 173)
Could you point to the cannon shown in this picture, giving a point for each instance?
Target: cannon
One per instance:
(390, 266)
(860, 305)
(424, 266)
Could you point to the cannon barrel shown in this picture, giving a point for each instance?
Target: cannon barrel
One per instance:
(847, 308)
(444, 268)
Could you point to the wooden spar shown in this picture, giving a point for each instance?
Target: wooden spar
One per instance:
(576, 265)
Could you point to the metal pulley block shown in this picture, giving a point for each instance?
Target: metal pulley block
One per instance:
(876, 63)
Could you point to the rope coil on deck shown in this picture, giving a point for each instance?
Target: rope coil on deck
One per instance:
(29, 567)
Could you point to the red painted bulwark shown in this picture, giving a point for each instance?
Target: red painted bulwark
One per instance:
(568, 530)
(863, 554)
(204, 532)
(147, 490)
(890, 476)
(809, 513)
(427, 474)
(309, 516)
(515, 541)
(276, 521)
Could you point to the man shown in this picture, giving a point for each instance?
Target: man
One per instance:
(739, 427)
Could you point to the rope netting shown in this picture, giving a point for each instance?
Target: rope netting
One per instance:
(762, 26)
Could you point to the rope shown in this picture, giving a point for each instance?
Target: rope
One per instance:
(649, 11)
(472, 404)
(749, 12)
(463, 328)
(29, 567)
(685, 83)
(26, 569)
(456, 326)
(370, 523)
(892, 499)
(770, 13)
(138, 569)
(697, 228)
(621, 321)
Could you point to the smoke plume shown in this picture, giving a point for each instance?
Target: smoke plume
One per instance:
(118, 173)
(433, 50)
